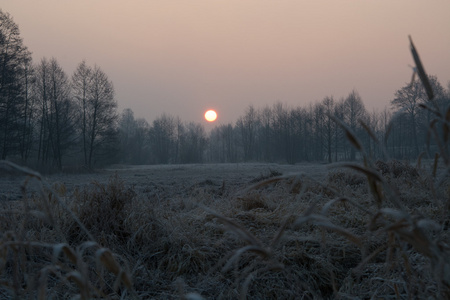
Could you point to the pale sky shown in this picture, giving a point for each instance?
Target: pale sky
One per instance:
(184, 57)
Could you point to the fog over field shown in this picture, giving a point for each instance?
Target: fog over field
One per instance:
(169, 178)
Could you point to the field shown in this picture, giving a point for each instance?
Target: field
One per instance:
(226, 231)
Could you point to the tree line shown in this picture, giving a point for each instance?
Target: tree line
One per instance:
(285, 134)
(50, 120)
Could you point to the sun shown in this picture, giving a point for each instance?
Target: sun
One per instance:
(210, 115)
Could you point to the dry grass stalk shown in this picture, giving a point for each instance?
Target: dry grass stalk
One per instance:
(421, 71)
(53, 263)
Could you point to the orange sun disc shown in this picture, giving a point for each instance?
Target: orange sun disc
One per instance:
(210, 115)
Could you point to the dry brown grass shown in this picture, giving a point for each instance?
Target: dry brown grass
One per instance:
(358, 233)
(38, 258)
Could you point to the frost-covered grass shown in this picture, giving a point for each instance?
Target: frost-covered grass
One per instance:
(357, 231)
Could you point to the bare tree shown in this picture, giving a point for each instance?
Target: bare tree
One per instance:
(328, 109)
(57, 117)
(223, 144)
(101, 116)
(408, 100)
(281, 131)
(40, 90)
(81, 82)
(192, 143)
(353, 111)
(338, 134)
(319, 118)
(94, 93)
(296, 135)
(29, 111)
(14, 57)
(127, 128)
(162, 138)
(133, 135)
(141, 154)
(247, 127)
(266, 133)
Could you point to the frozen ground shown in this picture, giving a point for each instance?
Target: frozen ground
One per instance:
(166, 180)
(183, 228)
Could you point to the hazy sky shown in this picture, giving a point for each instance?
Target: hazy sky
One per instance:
(183, 57)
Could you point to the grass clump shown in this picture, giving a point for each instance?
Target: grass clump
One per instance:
(103, 209)
(39, 261)
(396, 169)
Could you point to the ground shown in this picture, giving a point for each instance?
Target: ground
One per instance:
(168, 178)
(222, 231)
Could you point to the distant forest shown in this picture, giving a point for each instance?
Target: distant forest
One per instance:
(52, 121)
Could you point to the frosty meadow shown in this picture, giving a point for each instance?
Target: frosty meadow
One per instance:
(226, 231)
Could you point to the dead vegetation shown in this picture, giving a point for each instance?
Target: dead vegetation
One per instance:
(361, 232)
